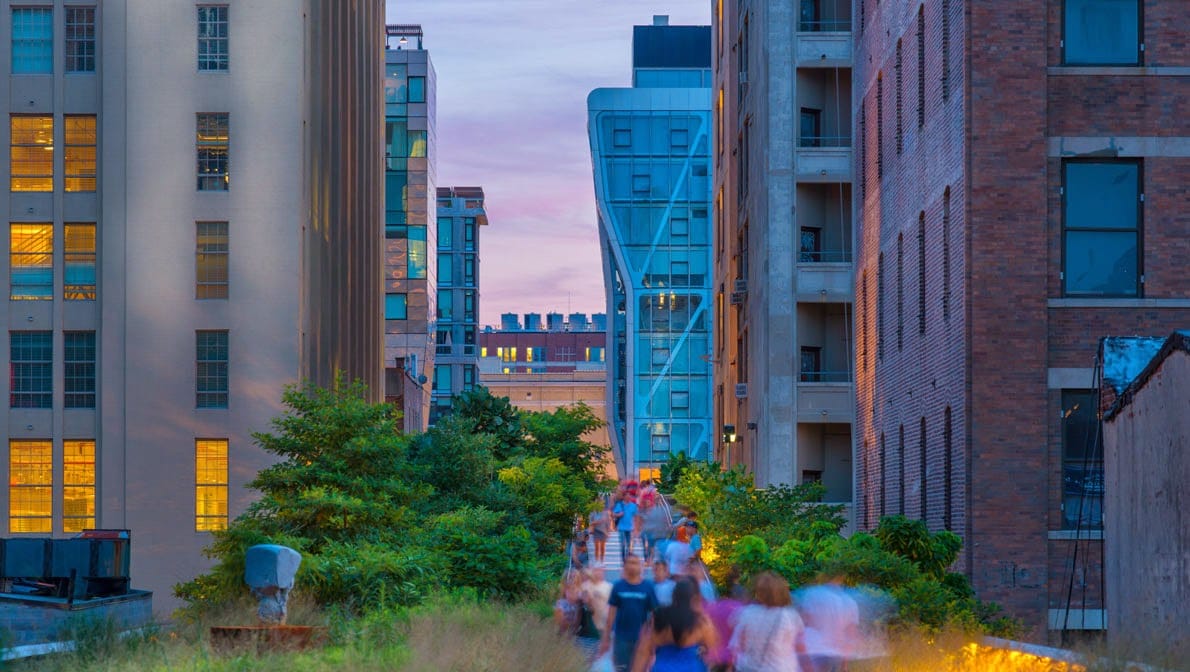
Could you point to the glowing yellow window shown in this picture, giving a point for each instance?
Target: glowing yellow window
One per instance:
(210, 489)
(31, 159)
(31, 481)
(80, 152)
(31, 261)
(483, 352)
(78, 485)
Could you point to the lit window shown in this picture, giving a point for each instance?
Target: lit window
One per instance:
(506, 354)
(417, 144)
(80, 39)
(212, 361)
(1082, 461)
(80, 152)
(31, 369)
(31, 259)
(210, 485)
(31, 481)
(483, 351)
(211, 143)
(1101, 32)
(212, 38)
(78, 485)
(417, 263)
(396, 306)
(79, 282)
(1102, 217)
(31, 160)
(211, 260)
(79, 373)
(32, 41)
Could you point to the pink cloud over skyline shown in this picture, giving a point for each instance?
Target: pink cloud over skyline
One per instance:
(513, 79)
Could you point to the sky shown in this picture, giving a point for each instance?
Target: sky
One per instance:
(513, 79)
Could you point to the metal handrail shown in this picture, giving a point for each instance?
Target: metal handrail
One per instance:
(823, 256)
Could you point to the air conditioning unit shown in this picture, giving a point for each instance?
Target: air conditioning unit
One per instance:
(739, 293)
(741, 390)
(741, 285)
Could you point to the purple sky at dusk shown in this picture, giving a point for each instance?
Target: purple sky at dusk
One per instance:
(513, 79)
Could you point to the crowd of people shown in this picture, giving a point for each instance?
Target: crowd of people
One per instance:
(674, 622)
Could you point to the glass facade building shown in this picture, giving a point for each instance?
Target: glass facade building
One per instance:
(650, 150)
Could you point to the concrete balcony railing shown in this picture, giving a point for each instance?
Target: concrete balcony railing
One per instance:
(824, 164)
(825, 402)
(830, 282)
(825, 49)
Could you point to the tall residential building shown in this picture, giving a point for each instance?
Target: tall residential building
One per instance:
(456, 363)
(193, 199)
(783, 243)
(410, 233)
(651, 153)
(1021, 195)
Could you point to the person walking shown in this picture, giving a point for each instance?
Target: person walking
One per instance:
(663, 583)
(624, 513)
(631, 602)
(723, 613)
(600, 528)
(654, 526)
(769, 635)
(832, 625)
(679, 631)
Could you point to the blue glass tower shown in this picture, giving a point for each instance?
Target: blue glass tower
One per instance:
(650, 151)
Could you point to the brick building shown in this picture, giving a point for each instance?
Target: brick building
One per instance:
(1021, 170)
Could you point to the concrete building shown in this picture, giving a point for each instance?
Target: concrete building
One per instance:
(650, 148)
(179, 247)
(784, 378)
(461, 216)
(410, 232)
(1146, 531)
(1021, 194)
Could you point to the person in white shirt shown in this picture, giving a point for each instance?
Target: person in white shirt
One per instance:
(832, 624)
(663, 583)
(769, 635)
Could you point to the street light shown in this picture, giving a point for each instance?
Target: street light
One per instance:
(729, 437)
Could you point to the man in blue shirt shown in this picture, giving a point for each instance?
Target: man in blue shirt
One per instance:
(632, 600)
(624, 513)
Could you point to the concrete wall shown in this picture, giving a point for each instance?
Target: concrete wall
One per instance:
(1146, 529)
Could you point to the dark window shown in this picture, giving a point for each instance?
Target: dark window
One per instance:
(417, 89)
(811, 127)
(811, 364)
(1082, 461)
(31, 367)
(880, 307)
(921, 66)
(808, 16)
(1102, 217)
(880, 126)
(80, 39)
(948, 468)
(811, 244)
(901, 477)
(900, 291)
(32, 40)
(863, 306)
(924, 492)
(946, 254)
(1101, 32)
(921, 273)
(79, 374)
(945, 50)
(211, 356)
(900, 100)
(212, 38)
(883, 475)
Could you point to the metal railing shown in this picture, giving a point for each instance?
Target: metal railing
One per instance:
(824, 377)
(824, 141)
(823, 256)
(825, 26)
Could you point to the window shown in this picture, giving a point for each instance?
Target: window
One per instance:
(597, 354)
(506, 354)
(901, 478)
(679, 137)
(446, 305)
(469, 270)
(32, 41)
(811, 244)
(900, 100)
(468, 378)
(946, 254)
(640, 184)
(212, 147)
(883, 476)
(1082, 461)
(417, 89)
(879, 126)
(212, 38)
(811, 364)
(469, 234)
(416, 266)
(396, 203)
(810, 121)
(396, 307)
(79, 281)
(469, 306)
(211, 355)
(861, 161)
(923, 491)
(31, 259)
(921, 66)
(79, 373)
(78, 485)
(80, 152)
(535, 354)
(948, 467)
(211, 260)
(921, 273)
(1101, 32)
(1102, 217)
(621, 137)
(80, 39)
(679, 399)
(31, 155)
(31, 368)
(445, 269)
(880, 307)
(660, 356)
(446, 229)
(945, 50)
(442, 382)
(210, 485)
(31, 486)
(417, 144)
(863, 307)
(900, 291)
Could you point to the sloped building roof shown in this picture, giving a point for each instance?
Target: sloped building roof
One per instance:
(1126, 358)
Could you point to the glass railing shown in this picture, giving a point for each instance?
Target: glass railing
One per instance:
(824, 256)
(825, 26)
(824, 377)
(824, 141)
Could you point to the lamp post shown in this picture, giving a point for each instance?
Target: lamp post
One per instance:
(729, 437)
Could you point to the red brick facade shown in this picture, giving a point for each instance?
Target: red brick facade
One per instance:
(997, 142)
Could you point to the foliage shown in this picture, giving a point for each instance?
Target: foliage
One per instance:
(673, 469)
(482, 502)
(786, 530)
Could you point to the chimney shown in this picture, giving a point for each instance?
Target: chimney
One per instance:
(661, 19)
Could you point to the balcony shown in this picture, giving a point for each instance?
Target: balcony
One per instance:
(824, 456)
(825, 384)
(824, 269)
(824, 141)
(824, 33)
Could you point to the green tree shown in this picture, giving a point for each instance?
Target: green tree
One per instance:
(561, 434)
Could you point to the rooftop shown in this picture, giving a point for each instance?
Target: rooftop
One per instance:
(1177, 341)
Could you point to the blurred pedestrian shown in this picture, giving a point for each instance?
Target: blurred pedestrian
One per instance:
(624, 515)
(723, 613)
(648, 494)
(832, 625)
(600, 528)
(678, 553)
(631, 602)
(596, 590)
(769, 635)
(568, 604)
(654, 527)
(678, 633)
(663, 583)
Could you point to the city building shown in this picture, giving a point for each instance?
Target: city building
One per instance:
(410, 232)
(179, 248)
(543, 370)
(456, 361)
(784, 378)
(651, 154)
(1021, 194)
